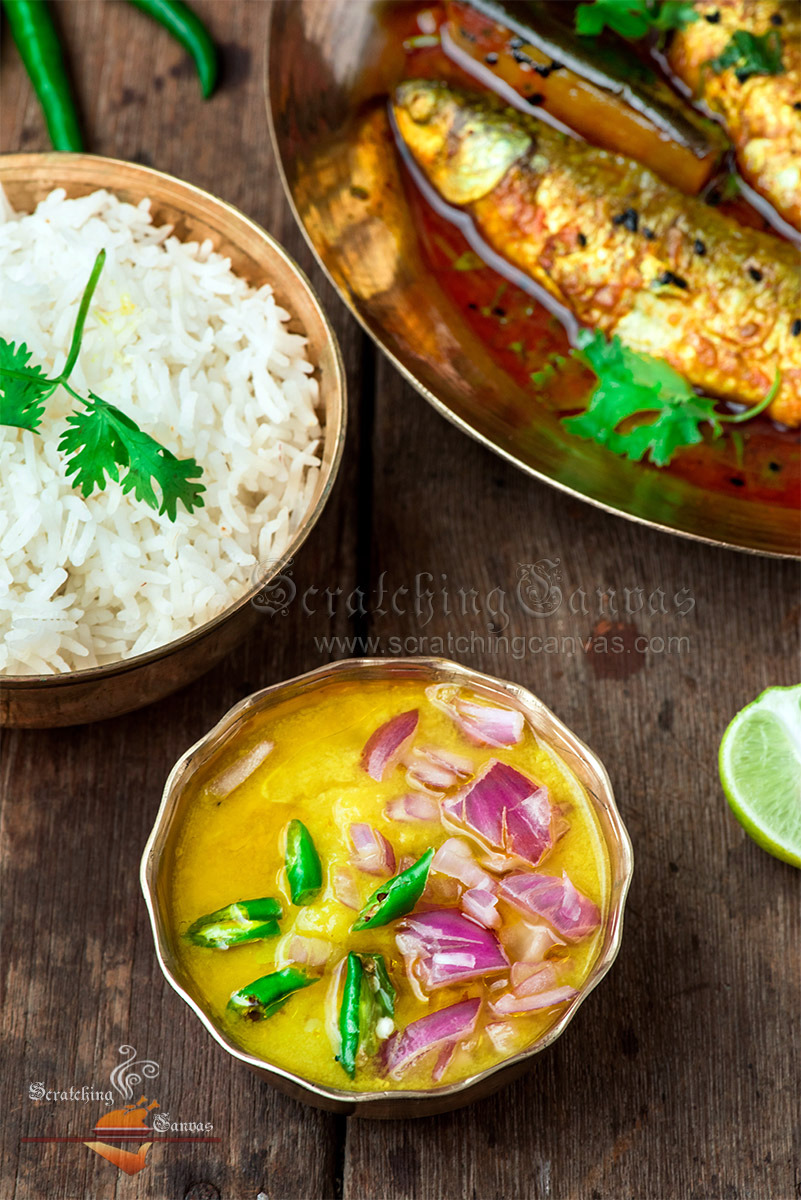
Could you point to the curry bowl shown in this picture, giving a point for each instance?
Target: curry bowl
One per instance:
(412, 271)
(200, 815)
(78, 696)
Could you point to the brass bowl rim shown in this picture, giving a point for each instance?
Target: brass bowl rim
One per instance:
(531, 704)
(440, 406)
(123, 665)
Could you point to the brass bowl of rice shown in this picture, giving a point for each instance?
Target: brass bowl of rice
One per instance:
(85, 635)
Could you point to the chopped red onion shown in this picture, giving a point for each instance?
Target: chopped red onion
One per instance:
(529, 978)
(388, 743)
(505, 810)
(555, 900)
(414, 806)
(446, 947)
(444, 1027)
(437, 770)
(483, 723)
(455, 858)
(345, 888)
(528, 943)
(482, 907)
(445, 1055)
(239, 771)
(510, 1003)
(373, 853)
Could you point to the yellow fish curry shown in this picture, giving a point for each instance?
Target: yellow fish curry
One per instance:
(388, 886)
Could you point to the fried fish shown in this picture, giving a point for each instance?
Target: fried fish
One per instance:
(761, 112)
(617, 246)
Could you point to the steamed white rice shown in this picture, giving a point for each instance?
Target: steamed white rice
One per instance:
(204, 364)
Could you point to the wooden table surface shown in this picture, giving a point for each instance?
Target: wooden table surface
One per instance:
(680, 1075)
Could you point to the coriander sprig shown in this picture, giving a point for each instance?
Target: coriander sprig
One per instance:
(659, 411)
(100, 441)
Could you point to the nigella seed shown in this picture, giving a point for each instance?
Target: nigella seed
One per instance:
(521, 57)
(542, 70)
(628, 219)
(515, 43)
(797, 106)
(648, 233)
(776, 19)
(668, 277)
(491, 58)
(737, 481)
(713, 198)
(775, 467)
(582, 240)
(713, 18)
(536, 98)
(795, 328)
(755, 274)
(699, 247)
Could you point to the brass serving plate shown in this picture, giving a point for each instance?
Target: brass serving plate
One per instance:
(324, 97)
(37, 701)
(159, 854)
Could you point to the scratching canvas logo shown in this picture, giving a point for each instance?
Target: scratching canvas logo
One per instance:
(125, 1135)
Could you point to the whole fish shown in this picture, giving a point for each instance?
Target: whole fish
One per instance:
(621, 249)
(761, 112)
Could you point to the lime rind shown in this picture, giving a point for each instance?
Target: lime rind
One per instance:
(760, 770)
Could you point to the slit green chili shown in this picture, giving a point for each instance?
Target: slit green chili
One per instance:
(266, 995)
(242, 921)
(397, 896)
(190, 32)
(349, 1014)
(37, 41)
(303, 868)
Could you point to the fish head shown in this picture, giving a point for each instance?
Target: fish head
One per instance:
(463, 144)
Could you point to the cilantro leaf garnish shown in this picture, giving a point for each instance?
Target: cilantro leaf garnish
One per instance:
(24, 389)
(100, 440)
(632, 385)
(634, 18)
(750, 54)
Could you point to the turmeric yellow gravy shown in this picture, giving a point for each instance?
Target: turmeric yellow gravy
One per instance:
(231, 848)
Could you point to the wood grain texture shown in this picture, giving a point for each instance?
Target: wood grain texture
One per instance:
(680, 1077)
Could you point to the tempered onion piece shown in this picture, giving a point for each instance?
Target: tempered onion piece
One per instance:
(481, 905)
(525, 942)
(441, 890)
(504, 810)
(446, 947)
(414, 806)
(554, 899)
(224, 783)
(373, 853)
(345, 888)
(529, 978)
(509, 1003)
(311, 952)
(455, 858)
(446, 1026)
(503, 1035)
(387, 745)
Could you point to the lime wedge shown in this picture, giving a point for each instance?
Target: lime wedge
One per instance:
(760, 769)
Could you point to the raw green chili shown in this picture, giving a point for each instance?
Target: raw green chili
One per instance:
(303, 868)
(349, 1022)
(397, 896)
(242, 921)
(37, 41)
(265, 996)
(190, 32)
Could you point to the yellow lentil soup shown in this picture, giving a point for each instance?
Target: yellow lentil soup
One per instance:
(379, 776)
